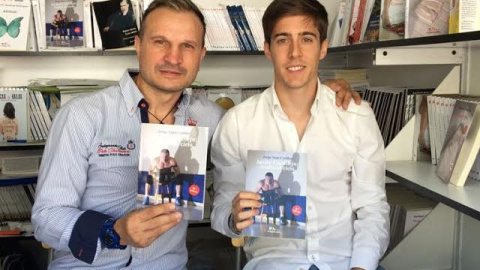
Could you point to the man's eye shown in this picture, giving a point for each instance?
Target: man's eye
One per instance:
(187, 46)
(159, 41)
(282, 40)
(306, 39)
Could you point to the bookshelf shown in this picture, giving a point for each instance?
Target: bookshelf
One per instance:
(17, 180)
(420, 177)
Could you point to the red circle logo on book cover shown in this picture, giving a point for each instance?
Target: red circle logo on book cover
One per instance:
(194, 190)
(297, 210)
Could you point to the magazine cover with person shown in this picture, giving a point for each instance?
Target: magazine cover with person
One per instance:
(64, 24)
(14, 118)
(280, 178)
(172, 167)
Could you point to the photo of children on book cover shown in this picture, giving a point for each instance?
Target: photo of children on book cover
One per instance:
(13, 118)
(64, 23)
(116, 22)
(172, 167)
(280, 178)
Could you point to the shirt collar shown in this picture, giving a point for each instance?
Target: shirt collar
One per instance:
(130, 92)
(277, 107)
(132, 95)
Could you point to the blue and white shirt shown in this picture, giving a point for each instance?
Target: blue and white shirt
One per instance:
(79, 188)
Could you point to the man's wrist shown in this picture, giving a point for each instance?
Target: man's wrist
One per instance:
(109, 236)
(231, 225)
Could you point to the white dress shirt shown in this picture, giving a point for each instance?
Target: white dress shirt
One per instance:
(347, 213)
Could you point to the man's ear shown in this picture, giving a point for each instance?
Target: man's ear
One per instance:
(323, 49)
(266, 50)
(138, 42)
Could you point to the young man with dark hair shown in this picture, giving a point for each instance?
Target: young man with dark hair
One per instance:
(85, 199)
(348, 216)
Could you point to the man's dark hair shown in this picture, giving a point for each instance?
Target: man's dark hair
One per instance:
(269, 174)
(9, 110)
(165, 151)
(279, 9)
(174, 5)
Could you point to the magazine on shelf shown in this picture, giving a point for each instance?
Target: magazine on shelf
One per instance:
(426, 18)
(392, 20)
(15, 18)
(116, 23)
(281, 180)
(172, 167)
(64, 24)
(461, 144)
(14, 118)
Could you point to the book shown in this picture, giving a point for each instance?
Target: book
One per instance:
(15, 119)
(461, 144)
(172, 167)
(281, 180)
(116, 23)
(421, 142)
(392, 20)
(15, 18)
(64, 24)
(469, 16)
(426, 18)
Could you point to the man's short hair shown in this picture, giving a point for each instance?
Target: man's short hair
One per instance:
(269, 174)
(174, 5)
(279, 9)
(165, 151)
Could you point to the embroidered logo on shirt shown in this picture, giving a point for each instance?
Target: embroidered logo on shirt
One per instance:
(109, 150)
(191, 121)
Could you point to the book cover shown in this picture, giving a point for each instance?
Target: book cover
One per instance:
(392, 20)
(64, 24)
(14, 23)
(281, 180)
(14, 118)
(469, 16)
(421, 142)
(460, 127)
(426, 18)
(453, 21)
(116, 23)
(225, 98)
(172, 167)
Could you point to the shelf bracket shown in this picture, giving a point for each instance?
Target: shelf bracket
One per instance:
(447, 54)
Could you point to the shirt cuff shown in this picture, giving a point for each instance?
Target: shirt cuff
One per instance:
(84, 239)
(364, 258)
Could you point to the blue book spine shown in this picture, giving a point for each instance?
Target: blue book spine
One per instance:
(241, 30)
(235, 26)
(248, 30)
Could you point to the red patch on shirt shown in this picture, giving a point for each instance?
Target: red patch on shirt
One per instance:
(191, 122)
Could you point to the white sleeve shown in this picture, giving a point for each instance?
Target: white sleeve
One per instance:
(368, 199)
(229, 172)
